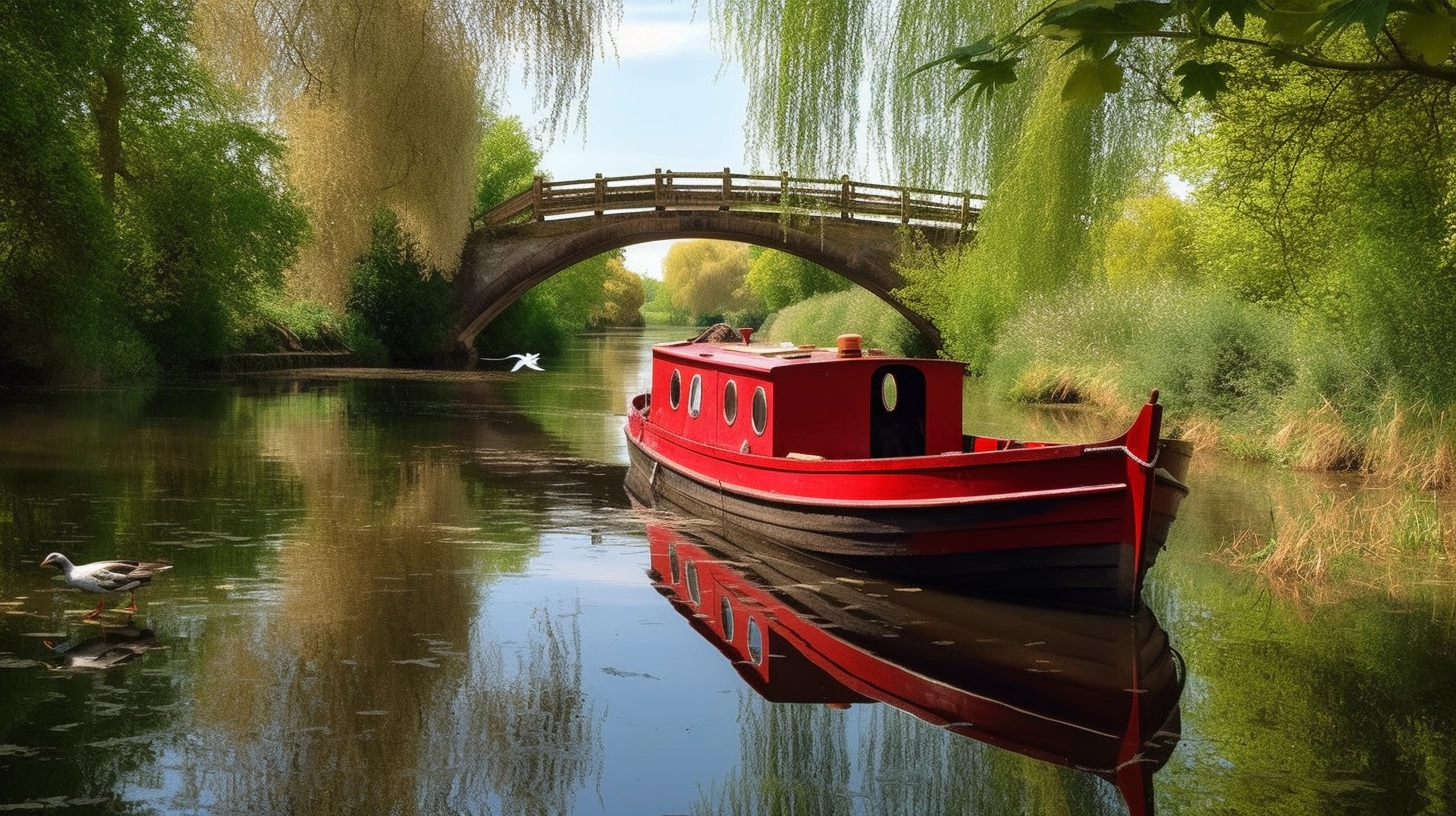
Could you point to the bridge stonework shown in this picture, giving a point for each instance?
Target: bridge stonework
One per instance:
(502, 261)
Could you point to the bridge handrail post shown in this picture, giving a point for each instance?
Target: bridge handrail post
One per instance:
(658, 203)
(727, 189)
(965, 210)
(904, 205)
(538, 193)
(601, 195)
(784, 190)
(844, 197)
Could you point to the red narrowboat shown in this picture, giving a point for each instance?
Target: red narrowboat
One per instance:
(1093, 691)
(862, 457)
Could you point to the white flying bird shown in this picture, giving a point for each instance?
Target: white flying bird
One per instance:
(106, 577)
(522, 361)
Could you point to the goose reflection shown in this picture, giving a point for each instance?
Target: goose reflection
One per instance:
(1094, 692)
(109, 649)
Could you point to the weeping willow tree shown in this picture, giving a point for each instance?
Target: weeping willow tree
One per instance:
(381, 102)
(833, 83)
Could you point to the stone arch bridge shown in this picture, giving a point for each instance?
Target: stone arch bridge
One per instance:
(855, 229)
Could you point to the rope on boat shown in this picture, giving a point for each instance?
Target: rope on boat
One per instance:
(1128, 453)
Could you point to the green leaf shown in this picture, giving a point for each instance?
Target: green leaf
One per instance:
(958, 55)
(1235, 9)
(1429, 35)
(1136, 17)
(987, 76)
(1091, 80)
(1370, 14)
(1206, 79)
(1290, 27)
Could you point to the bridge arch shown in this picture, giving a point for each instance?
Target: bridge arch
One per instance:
(552, 227)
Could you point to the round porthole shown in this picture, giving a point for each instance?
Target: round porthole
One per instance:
(755, 642)
(760, 410)
(674, 389)
(725, 610)
(672, 563)
(889, 393)
(730, 402)
(693, 583)
(695, 395)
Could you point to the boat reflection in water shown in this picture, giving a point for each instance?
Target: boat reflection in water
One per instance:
(1091, 691)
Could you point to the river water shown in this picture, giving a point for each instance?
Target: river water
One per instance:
(404, 592)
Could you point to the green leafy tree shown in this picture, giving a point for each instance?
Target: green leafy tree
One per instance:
(707, 277)
(399, 300)
(573, 299)
(145, 196)
(779, 279)
(380, 99)
(1329, 196)
(657, 306)
(1151, 241)
(622, 296)
(505, 164)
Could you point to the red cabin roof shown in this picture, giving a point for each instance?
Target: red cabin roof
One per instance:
(790, 400)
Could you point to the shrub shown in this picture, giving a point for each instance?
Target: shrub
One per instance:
(397, 299)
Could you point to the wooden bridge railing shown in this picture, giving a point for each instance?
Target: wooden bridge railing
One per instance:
(734, 191)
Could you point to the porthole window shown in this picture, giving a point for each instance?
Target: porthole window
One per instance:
(730, 402)
(760, 410)
(695, 395)
(672, 563)
(889, 393)
(693, 583)
(755, 642)
(674, 389)
(725, 610)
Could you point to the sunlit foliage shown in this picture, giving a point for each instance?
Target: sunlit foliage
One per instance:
(706, 277)
(1149, 242)
(381, 102)
(1328, 196)
(822, 318)
(506, 162)
(779, 279)
(1051, 169)
(622, 297)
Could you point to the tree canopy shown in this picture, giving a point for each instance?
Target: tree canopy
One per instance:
(1102, 37)
(382, 104)
(707, 277)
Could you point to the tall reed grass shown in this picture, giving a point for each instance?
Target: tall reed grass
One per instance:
(1386, 539)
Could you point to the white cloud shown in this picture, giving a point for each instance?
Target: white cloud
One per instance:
(660, 39)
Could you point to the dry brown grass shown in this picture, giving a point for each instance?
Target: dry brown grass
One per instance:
(1319, 440)
(1390, 540)
(1060, 385)
(1412, 447)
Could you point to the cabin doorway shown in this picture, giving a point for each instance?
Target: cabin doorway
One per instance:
(897, 411)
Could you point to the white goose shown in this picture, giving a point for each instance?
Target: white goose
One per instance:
(106, 577)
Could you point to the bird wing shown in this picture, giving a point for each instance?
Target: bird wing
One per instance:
(527, 361)
(115, 576)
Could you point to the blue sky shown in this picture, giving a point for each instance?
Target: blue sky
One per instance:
(667, 101)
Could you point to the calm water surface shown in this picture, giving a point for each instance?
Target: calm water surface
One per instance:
(415, 593)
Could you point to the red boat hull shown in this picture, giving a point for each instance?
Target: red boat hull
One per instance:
(1073, 524)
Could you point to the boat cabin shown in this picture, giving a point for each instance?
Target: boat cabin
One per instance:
(805, 402)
